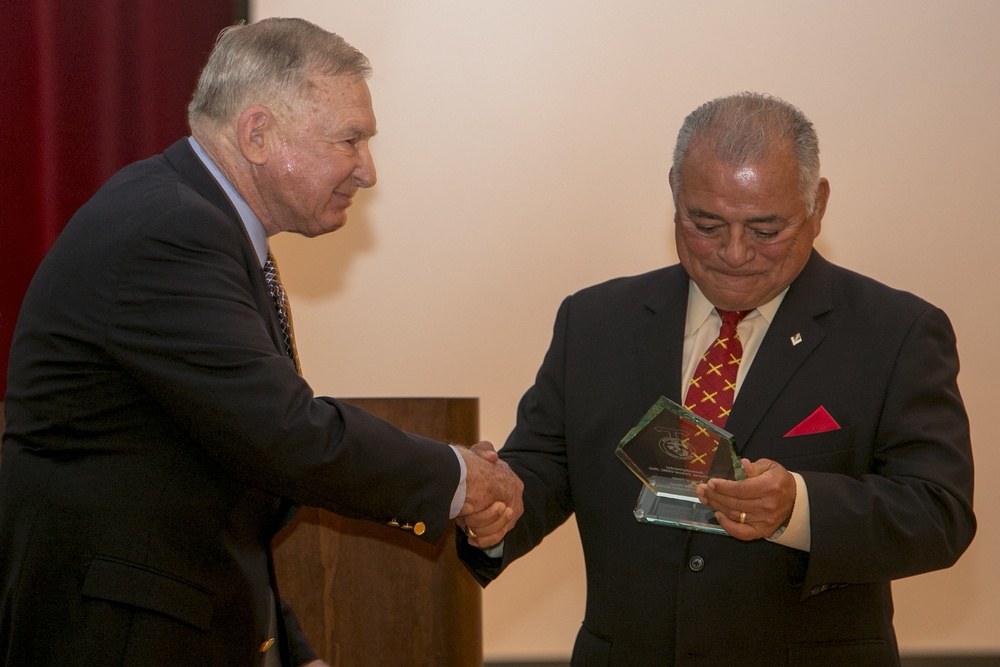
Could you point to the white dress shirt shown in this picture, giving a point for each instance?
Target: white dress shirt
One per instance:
(701, 328)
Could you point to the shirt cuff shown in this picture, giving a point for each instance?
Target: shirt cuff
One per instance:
(495, 551)
(797, 533)
(459, 498)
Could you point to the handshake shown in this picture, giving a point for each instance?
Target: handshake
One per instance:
(492, 496)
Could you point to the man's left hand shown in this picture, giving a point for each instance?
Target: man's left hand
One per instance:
(755, 507)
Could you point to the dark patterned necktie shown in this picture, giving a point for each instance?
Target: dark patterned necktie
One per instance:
(713, 387)
(281, 305)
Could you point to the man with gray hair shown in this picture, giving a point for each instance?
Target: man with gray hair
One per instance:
(841, 396)
(158, 431)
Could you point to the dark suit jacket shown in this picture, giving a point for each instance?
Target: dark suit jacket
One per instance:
(157, 435)
(890, 493)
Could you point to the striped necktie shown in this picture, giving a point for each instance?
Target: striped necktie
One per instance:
(277, 293)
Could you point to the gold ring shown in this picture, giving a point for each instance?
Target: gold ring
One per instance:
(470, 533)
(743, 517)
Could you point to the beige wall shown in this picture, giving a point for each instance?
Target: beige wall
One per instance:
(523, 153)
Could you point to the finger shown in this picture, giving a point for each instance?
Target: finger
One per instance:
(487, 520)
(493, 535)
(501, 522)
(744, 488)
(483, 517)
(748, 530)
(486, 450)
(733, 527)
(488, 541)
(479, 536)
(720, 495)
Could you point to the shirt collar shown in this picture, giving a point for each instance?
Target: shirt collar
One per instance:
(700, 309)
(258, 237)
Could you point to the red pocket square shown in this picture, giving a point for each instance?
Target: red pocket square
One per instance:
(819, 421)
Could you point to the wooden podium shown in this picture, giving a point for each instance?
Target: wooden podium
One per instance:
(367, 594)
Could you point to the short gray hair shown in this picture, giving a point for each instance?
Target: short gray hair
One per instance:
(746, 128)
(268, 62)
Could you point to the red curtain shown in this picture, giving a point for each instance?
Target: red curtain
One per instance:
(86, 87)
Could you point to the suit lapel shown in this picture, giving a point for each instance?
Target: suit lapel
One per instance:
(780, 355)
(660, 338)
(183, 159)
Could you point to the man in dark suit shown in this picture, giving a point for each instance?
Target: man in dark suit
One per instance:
(158, 433)
(848, 420)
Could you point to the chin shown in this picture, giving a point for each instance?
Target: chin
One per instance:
(327, 227)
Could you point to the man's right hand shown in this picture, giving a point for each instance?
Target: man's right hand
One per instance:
(493, 502)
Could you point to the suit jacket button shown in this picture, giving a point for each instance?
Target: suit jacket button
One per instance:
(393, 523)
(697, 564)
(268, 643)
(419, 528)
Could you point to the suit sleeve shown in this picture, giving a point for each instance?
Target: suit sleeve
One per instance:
(536, 452)
(912, 511)
(185, 322)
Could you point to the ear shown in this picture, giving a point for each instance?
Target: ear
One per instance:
(670, 179)
(822, 197)
(253, 133)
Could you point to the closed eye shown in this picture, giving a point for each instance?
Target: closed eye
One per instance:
(764, 234)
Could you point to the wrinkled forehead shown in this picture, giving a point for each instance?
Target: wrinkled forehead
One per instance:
(333, 101)
(763, 152)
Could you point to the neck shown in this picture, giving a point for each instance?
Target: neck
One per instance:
(226, 155)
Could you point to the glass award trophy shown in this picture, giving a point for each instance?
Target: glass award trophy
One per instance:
(672, 450)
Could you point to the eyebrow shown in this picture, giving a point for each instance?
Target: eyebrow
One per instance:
(762, 219)
(701, 213)
(774, 217)
(358, 131)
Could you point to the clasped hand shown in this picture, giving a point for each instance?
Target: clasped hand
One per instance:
(756, 506)
(493, 501)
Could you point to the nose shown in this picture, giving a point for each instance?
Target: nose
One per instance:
(364, 172)
(736, 250)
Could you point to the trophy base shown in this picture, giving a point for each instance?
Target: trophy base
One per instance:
(674, 505)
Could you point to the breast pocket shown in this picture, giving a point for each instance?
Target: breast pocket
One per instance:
(831, 451)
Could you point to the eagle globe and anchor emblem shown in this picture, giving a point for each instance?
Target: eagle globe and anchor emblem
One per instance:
(671, 450)
(674, 443)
